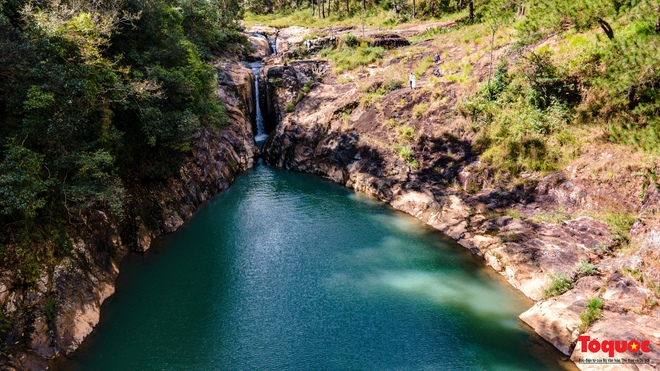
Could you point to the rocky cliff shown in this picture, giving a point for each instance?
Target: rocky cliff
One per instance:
(336, 132)
(54, 317)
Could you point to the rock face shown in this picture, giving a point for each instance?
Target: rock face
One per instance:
(290, 36)
(55, 317)
(319, 43)
(260, 45)
(389, 41)
(332, 134)
(279, 85)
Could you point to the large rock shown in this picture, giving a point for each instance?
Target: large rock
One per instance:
(281, 84)
(389, 41)
(557, 319)
(628, 327)
(260, 46)
(289, 37)
(319, 43)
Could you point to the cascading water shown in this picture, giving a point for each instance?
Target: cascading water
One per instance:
(261, 134)
(272, 41)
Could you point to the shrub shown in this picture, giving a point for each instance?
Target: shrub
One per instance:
(370, 99)
(393, 84)
(560, 284)
(499, 82)
(586, 268)
(50, 309)
(548, 85)
(406, 132)
(289, 107)
(592, 313)
(419, 109)
(351, 40)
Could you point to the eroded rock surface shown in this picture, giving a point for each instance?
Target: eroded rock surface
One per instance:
(527, 233)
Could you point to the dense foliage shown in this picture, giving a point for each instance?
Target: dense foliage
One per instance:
(93, 95)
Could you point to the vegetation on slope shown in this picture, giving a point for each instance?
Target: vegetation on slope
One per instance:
(94, 95)
(558, 75)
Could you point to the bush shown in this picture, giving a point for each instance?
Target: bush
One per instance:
(586, 268)
(592, 313)
(406, 133)
(370, 99)
(560, 284)
(393, 84)
(351, 40)
(420, 109)
(289, 107)
(549, 86)
(50, 309)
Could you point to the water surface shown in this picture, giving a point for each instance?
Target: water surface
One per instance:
(287, 271)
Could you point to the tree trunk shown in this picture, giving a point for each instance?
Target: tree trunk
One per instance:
(329, 6)
(322, 8)
(521, 10)
(414, 10)
(460, 4)
(432, 8)
(312, 1)
(490, 66)
(657, 23)
(606, 27)
(364, 9)
(471, 6)
(348, 8)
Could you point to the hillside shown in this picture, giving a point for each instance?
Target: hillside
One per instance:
(534, 145)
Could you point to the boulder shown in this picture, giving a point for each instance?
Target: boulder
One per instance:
(389, 41)
(260, 46)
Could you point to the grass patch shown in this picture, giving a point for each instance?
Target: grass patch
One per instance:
(422, 66)
(513, 213)
(406, 133)
(370, 99)
(619, 222)
(511, 237)
(591, 314)
(586, 268)
(553, 217)
(406, 153)
(560, 284)
(420, 109)
(345, 58)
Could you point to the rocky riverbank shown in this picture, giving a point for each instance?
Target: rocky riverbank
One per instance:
(531, 233)
(54, 317)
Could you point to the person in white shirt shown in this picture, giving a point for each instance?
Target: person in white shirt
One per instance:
(412, 80)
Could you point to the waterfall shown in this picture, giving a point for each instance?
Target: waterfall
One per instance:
(261, 134)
